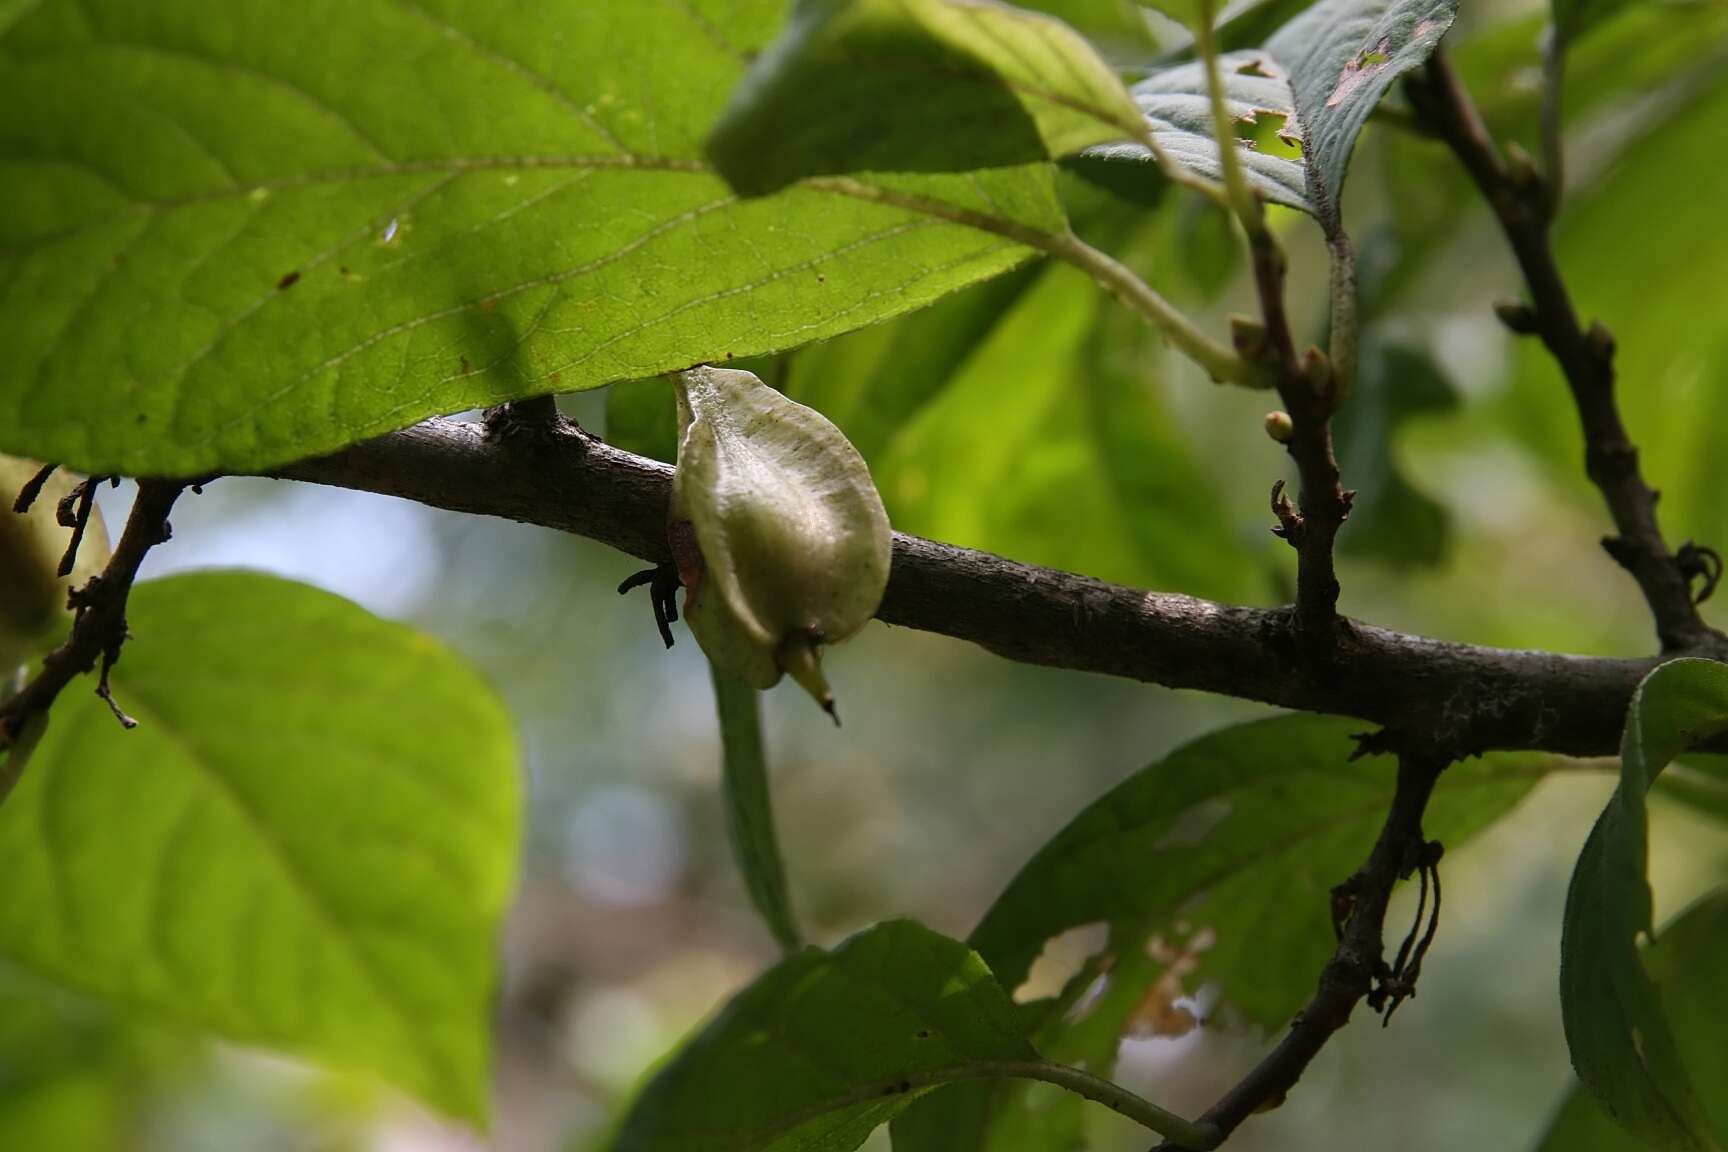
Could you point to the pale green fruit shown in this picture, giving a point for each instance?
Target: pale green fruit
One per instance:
(793, 541)
(33, 613)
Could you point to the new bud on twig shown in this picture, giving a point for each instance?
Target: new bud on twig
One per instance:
(1279, 426)
(792, 544)
(1518, 316)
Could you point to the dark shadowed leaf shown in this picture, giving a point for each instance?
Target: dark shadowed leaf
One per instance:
(1178, 110)
(1687, 955)
(827, 1045)
(232, 235)
(1391, 520)
(1227, 849)
(750, 808)
(915, 86)
(307, 843)
(1622, 1043)
(1341, 57)
(1213, 865)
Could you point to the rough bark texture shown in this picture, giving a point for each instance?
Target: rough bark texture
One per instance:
(1453, 698)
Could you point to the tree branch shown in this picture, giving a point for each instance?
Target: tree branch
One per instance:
(1523, 205)
(1358, 967)
(99, 627)
(1460, 698)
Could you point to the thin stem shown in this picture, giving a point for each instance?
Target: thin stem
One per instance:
(1222, 364)
(1553, 131)
(1357, 964)
(99, 629)
(1200, 1136)
(1246, 205)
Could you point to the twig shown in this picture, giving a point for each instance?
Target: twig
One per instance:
(99, 626)
(32, 489)
(1522, 202)
(1466, 698)
(1306, 387)
(1307, 384)
(1357, 969)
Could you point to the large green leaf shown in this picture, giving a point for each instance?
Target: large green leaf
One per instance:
(750, 807)
(1342, 56)
(915, 86)
(1055, 416)
(1622, 1044)
(1242, 834)
(826, 1046)
(307, 843)
(234, 234)
(1213, 864)
(1688, 955)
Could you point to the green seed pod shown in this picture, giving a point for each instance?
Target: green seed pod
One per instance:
(33, 609)
(787, 544)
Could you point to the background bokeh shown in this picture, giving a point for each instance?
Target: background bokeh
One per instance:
(1033, 418)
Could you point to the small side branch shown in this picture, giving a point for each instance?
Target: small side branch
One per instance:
(1357, 969)
(99, 624)
(1523, 203)
(1309, 389)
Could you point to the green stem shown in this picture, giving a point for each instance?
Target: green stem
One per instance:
(1220, 362)
(1242, 198)
(749, 807)
(1197, 1137)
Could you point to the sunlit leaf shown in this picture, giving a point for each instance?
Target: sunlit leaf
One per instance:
(915, 86)
(1341, 57)
(307, 843)
(1622, 1043)
(232, 235)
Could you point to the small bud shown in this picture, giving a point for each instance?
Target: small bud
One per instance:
(1280, 427)
(1248, 337)
(786, 543)
(1526, 177)
(1317, 370)
(1518, 316)
(1601, 341)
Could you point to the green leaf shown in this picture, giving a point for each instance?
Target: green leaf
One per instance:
(826, 1046)
(1622, 1045)
(1055, 415)
(1341, 57)
(1213, 864)
(307, 843)
(231, 236)
(750, 808)
(1241, 834)
(915, 86)
(1573, 18)
(1113, 24)
(1179, 112)
(1688, 955)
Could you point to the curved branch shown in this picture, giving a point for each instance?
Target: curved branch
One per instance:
(1456, 698)
(1523, 204)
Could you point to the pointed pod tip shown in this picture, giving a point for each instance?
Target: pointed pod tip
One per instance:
(801, 657)
(827, 703)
